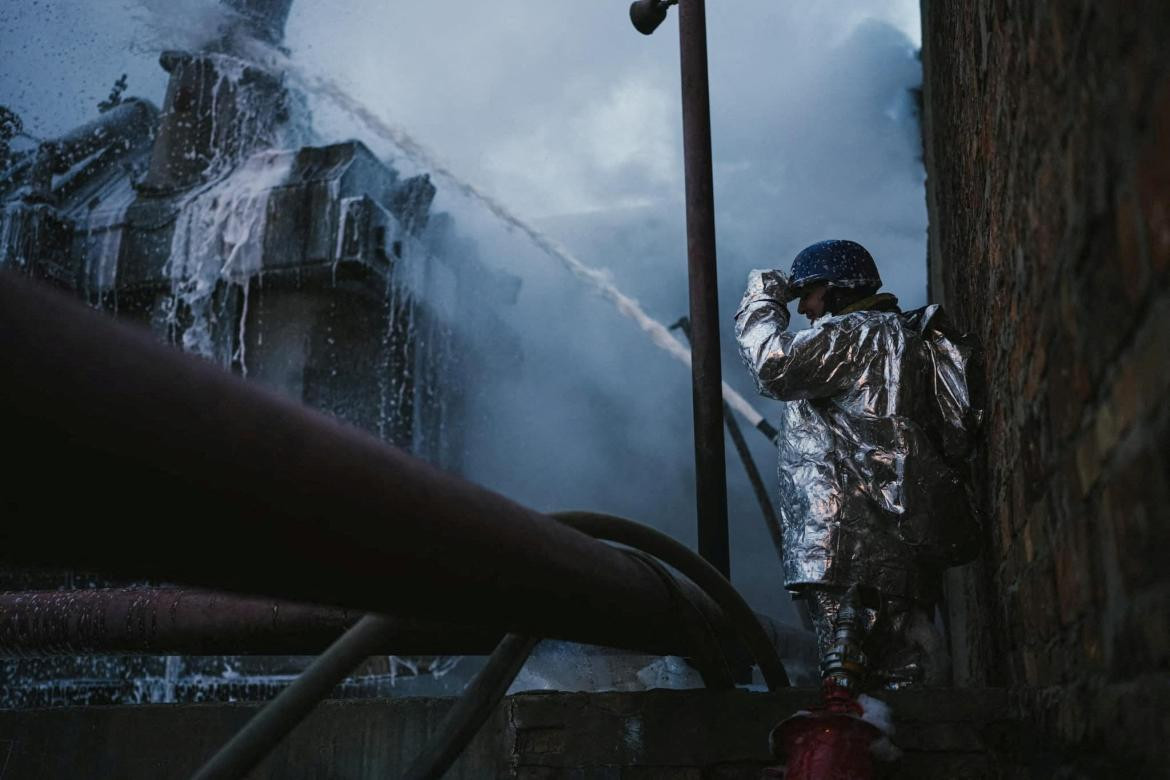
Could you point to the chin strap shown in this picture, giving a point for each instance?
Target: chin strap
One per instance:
(875, 302)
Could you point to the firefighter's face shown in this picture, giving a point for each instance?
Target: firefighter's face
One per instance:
(812, 301)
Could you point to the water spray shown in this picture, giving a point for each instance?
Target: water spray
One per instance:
(596, 278)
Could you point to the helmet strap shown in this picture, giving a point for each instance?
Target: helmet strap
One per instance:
(838, 298)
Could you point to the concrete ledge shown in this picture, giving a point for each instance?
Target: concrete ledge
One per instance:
(661, 733)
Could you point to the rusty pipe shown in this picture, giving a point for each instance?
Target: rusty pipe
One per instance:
(188, 621)
(134, 459)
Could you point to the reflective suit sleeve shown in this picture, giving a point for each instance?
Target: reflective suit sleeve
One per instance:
(813, 363)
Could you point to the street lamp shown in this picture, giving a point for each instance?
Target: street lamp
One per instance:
(706, 373)
(648, 14)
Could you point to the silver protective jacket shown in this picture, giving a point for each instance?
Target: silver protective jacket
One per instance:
(874, 437)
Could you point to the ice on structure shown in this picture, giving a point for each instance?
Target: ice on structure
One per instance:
(243, 114)
(632, 734)
(442, 665)
(174, 666)
(566, 666)
(219, 229)
(878, 713)
(8, 235)
(105, 226)
(669, 671)
(398, 663)
(219, 237)
(167, 679)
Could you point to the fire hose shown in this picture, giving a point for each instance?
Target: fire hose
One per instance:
(771, 522)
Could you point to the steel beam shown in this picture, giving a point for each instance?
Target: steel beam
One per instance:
(128, 457)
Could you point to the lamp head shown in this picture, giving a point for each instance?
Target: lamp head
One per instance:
(648, 14)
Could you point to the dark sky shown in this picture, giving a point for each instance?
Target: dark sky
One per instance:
(566, 115)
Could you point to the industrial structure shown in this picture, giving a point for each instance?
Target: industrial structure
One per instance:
(317, 271)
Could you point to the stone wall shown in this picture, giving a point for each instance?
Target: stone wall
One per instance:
(650, 735)
(1047, 137)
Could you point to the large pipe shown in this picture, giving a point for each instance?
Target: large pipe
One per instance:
(128, 457)
(706, 372)
(187, 621)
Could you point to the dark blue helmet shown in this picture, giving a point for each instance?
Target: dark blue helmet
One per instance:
(840, 263)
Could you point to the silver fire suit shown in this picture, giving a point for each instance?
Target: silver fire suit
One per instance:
(873, 439)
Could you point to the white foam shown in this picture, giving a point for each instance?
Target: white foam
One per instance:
(219, 237)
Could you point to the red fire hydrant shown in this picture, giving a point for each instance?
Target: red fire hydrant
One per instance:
(834, 741)
(828, 743)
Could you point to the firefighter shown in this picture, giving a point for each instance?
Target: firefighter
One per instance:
(875, 434)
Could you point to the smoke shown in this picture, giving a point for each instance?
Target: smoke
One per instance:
(177, 24)
(815, 136)
(597, 278)
(569, 117)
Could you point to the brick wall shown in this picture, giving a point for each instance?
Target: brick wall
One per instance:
(1047, 138)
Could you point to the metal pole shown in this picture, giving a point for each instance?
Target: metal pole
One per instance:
(753, 474)
(474, 707)
(270, 725)
(134, 459)
(749, 464)
(706, 373)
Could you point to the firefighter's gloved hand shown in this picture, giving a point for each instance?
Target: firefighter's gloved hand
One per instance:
(763, 315)
(771, 284)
